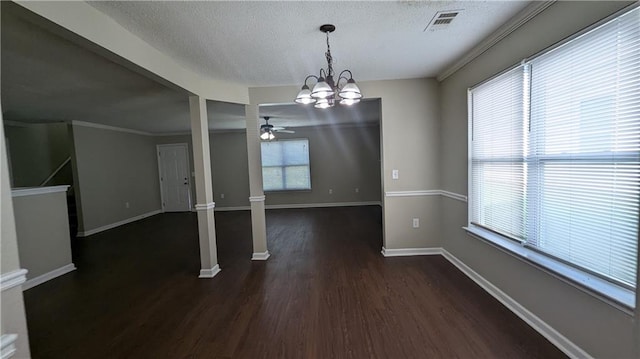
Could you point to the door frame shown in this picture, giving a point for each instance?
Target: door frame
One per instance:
(186, 146)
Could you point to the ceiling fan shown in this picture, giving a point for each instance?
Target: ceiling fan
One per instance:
(267, 130)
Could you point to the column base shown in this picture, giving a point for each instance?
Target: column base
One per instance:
(209, 273)
(261, 256)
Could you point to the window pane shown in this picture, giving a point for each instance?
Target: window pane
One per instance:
(272, 178)
(285, 165)
(296, 153)
(297, 177)
(272, 154)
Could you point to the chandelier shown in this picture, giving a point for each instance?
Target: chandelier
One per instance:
(326, 91)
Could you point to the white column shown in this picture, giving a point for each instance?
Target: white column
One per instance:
(256, 199)
(204, 187)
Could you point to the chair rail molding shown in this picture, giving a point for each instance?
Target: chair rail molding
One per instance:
(12, 279)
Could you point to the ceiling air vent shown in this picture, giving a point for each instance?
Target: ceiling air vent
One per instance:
(441, 20)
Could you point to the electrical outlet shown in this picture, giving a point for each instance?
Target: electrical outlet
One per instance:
(126, 205)
(330, 191)
(221, 195)
(394, 174)
(416, 223)
(357, 189)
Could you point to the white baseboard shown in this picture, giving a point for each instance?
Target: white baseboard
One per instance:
(322, 205)
(209, 273)
(403, 252)
(48, 276)
(118, 224)
(260, 256)
(559, 340)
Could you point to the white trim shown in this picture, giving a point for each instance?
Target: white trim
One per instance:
(260, 256)
(321, 205)
(505, 30)
(12, 279)
(118, 224)
(107, 127)
(209, 273)
(205, 206)
(48, 276)
(30, 191)
(452, 195)
(7, 345)
(557, 339)
(404, 252)
(257, 198)
(55, 172)
(619, 297)
(228, 209)
(427, 192)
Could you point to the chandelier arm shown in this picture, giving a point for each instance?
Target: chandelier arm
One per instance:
(323, 74)
(308, 77)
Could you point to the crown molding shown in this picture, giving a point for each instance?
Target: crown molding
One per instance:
(528, 13)
(107, 127)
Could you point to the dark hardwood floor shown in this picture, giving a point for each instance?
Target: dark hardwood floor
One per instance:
(326, 292)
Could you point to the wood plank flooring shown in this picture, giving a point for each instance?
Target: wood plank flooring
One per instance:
(326, 292)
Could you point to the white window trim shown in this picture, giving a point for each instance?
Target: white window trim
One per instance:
(615, 295)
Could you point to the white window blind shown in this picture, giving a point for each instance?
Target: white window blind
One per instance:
(285, 165)
(575, 194)
(497, 166)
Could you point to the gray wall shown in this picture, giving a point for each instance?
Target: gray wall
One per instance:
(42, 227)
(36, 150)
(228, 166)
(113, 168)
(341, 159)
(597, 327)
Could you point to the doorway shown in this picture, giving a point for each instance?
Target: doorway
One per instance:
(173, 168)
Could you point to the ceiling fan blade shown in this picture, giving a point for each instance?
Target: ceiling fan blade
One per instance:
(277, 128)
(286, 131)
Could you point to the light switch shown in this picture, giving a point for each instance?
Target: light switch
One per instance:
(416, 223)
(394, 174)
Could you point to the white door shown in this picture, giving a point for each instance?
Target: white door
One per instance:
(173, 164)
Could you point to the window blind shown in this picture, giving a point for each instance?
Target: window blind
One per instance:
(285, 165)
(585, 143)
(497, 165)
(555, 151)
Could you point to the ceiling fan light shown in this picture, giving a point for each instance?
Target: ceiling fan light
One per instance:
(321, 89)
(350, 91)
(349, 101)
(304, 96)
(265, 135)
(322, 103)
(271, 136)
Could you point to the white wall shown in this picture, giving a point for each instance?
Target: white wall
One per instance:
(595, 326)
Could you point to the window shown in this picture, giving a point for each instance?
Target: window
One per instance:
(285, 165)
(555, 152)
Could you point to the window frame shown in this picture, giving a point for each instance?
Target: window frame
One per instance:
(308, 165)
(618, 296)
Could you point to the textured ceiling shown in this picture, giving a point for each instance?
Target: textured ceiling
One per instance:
(267, 43)
(46, 77)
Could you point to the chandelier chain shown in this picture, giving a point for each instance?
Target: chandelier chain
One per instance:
(329, 57)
